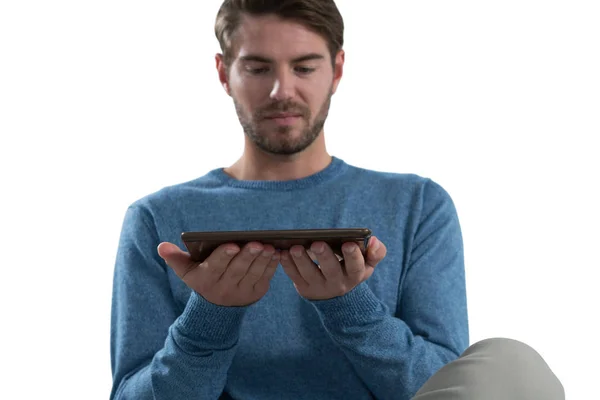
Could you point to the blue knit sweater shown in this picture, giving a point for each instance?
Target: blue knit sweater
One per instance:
(382, 340)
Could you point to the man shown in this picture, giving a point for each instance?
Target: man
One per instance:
(386, 325)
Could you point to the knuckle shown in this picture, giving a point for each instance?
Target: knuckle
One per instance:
(247, 256)
(204, 266)
(261, 287)
(183, 273)
(237, 272)
(267, 254)
(339, 290)
(254, 273)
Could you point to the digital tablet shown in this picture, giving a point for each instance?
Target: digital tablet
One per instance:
(201, 244)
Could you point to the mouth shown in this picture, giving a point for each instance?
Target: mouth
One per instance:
(284, 118)
(283, 115)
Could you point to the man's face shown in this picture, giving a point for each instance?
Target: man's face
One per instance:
(281, 82)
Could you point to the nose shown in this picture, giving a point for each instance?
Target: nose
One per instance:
(283, 87)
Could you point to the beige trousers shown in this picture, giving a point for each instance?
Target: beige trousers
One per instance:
(494, 369)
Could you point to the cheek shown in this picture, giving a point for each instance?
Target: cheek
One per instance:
(250, 94)
(317, 102)
(317, 92)
(243, 100)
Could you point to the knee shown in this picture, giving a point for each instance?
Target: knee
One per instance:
(504, 346)
(518, 363)
(512, 351)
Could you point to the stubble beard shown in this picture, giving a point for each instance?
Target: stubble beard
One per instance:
(281, 142)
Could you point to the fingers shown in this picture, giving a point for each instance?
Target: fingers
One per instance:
(289, 267)
(376, 251)
(234, 276)
(175, 258)
(328, 261)
(305, 266)
(353, 261)
(263, 283)
(182, 264)
(239, 266)
(259, 265)
(216, 264)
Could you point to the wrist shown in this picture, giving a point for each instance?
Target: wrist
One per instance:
(358, 306)
(208, 322)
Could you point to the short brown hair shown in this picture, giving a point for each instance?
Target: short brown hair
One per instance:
(320, 16)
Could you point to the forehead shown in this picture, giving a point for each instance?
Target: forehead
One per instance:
(276, 37)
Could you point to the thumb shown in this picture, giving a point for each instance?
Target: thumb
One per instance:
(376, 252)
(175, 258)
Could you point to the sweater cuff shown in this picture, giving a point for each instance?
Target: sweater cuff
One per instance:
(210, 323)
(357, 307)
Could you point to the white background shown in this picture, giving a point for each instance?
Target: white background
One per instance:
(103, 102)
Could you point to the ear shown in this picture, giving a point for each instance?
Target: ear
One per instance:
(222, 71)
(338, 69)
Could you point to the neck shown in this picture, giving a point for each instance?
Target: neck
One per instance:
(256, 165)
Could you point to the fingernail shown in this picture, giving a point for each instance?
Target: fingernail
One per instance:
(266, 254)
(231, 252)
(375, 244)
(319, 248)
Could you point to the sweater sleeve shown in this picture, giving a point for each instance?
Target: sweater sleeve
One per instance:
(157, 352)
(395, 353)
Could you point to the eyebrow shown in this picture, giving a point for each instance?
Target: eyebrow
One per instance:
(257, 58)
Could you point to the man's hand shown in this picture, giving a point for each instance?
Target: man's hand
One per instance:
(331, 278)
(229, 276)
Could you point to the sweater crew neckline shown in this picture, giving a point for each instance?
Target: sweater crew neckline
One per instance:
(335, 168)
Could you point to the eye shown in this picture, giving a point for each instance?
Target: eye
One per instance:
(257, 71)
(264, 70)
(305, 70)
